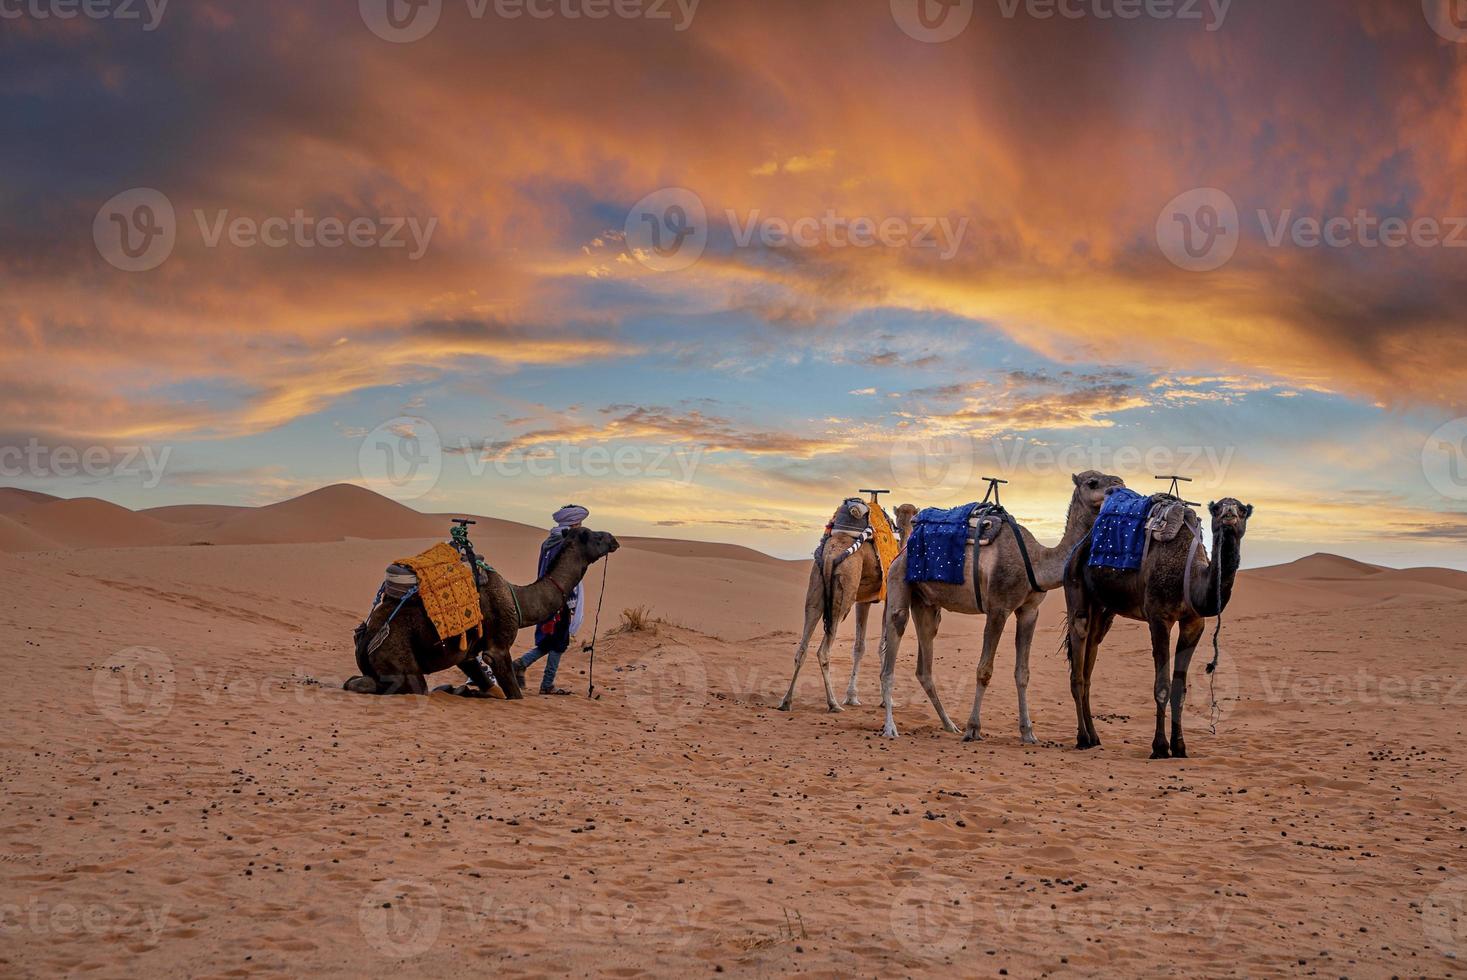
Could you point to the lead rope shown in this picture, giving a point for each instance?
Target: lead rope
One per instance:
(596, 626)
(1216, 629)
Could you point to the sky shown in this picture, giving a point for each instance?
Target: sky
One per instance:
(710, 267)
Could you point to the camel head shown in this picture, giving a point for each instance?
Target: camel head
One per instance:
(594, 545)
(1232, 514)
(854, 510)
(905, 515)
(1092, 486)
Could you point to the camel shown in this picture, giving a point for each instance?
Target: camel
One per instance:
(1164, 592)
(835, 589)
(1007, 592)
(412, 648)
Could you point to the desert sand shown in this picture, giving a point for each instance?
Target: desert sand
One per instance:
(187, 791)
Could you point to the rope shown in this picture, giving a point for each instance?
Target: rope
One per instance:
(595, 627)
(1216, 629)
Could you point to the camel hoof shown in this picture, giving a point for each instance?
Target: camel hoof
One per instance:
(852, 701)
(1027, 738)
(1179, 750)
(1161, 753)
(783, 706)
(972, 735)
(889, 732)
(834, 708)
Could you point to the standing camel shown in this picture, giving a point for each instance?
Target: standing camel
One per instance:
(837, 585)
(1176, 583)
(1006, 591)
(412, 649)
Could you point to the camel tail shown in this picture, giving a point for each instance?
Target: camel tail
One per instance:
(1066, 643)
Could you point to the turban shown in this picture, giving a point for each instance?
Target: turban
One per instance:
(570, 514)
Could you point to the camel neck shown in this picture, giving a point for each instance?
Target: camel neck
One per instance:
(1049, 563)
(1222, 571)
(544, 598)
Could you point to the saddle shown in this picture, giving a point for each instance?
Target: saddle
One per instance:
(1129, 522)
(857, 517)
(937, 550)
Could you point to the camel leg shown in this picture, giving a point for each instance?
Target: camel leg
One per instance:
(1100, 623)
(812, 619)
(1161, 654)
(993, 624)
(926, 619)
(1078, 646)
(402, 684)
(898, 610)
(1027, 620)
(863, 613)
(1187, 638)
(823, 655)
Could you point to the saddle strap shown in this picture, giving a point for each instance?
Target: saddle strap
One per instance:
(1187, 571)
(1023, 551)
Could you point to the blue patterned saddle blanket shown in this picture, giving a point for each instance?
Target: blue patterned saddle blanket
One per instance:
(937, 546)
(1118, 539)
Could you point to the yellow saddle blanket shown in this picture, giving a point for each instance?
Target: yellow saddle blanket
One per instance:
(887, 545)
(449, 594)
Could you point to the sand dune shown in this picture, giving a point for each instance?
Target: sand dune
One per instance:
(18, 537)
(13, 499)
(86, 522)
(1320, 566)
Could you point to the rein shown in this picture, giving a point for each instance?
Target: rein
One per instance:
(595, 627)
(1217, 628)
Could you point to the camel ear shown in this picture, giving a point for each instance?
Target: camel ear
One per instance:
(1075, 477)
(1247, 510)
(1212, 508)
